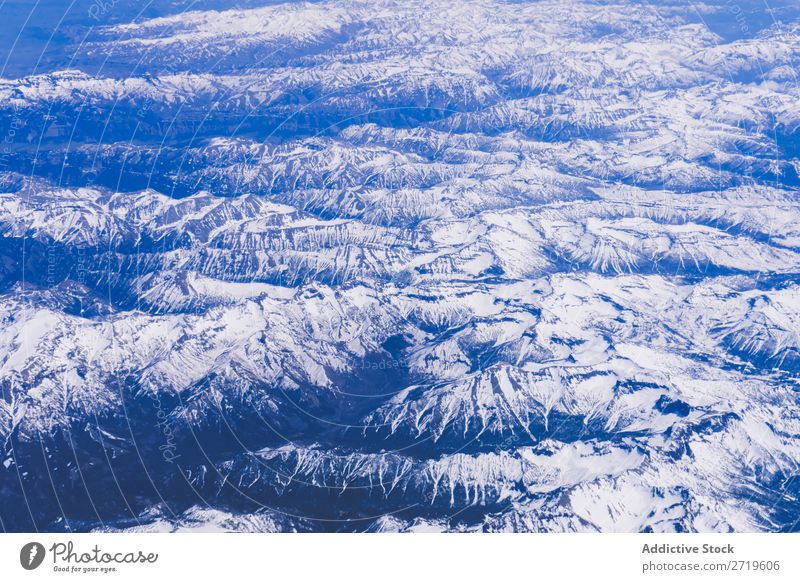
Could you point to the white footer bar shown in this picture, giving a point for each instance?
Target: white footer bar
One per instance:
(389, 557)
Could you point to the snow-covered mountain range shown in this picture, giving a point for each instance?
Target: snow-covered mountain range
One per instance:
(474, 265)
